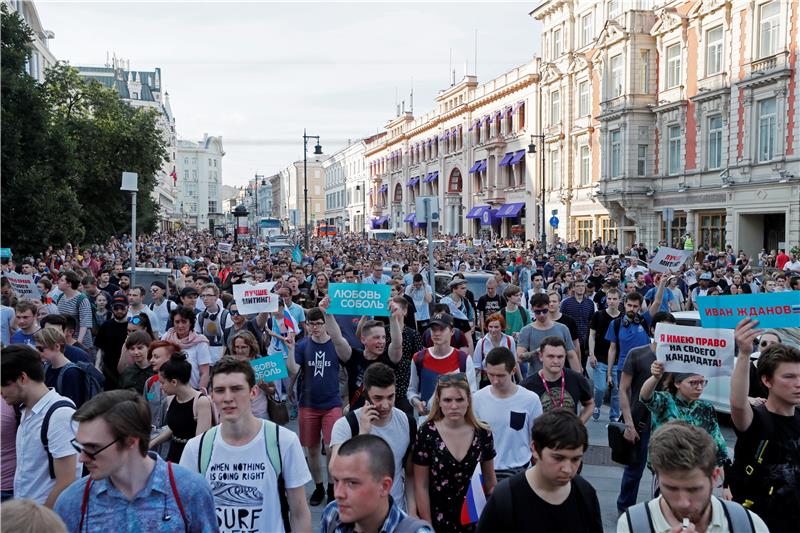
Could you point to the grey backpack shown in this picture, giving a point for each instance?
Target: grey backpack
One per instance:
(739, 521)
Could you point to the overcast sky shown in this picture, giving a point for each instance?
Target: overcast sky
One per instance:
(257, 73)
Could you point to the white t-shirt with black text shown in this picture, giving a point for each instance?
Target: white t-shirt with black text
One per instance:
(244, 483)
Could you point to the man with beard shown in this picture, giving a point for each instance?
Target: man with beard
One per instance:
(684, 459)
(110, 338)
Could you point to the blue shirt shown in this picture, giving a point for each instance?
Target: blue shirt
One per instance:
(20, 337)
(319, 371)
(667, 298)
(7, 318)
(110, 510)
(630, 337)
(331, 521)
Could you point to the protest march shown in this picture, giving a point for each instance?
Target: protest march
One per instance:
(226, 386)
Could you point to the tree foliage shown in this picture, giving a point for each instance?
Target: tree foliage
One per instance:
(65, 144)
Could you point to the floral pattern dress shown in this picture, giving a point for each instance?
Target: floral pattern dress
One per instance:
(449, 479)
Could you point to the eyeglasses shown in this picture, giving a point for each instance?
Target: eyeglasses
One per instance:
(540, 311)
(233, 312)
(315, 324)
(453, 378)
(698, 383)
(81, 449)
(135, 320)
(211, 295)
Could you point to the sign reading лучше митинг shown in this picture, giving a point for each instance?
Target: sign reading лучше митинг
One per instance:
(359, 299)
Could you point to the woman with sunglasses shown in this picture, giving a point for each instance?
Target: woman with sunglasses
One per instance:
(450, 444)
(681, 401)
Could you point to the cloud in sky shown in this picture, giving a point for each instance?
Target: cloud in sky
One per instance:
(257, 73)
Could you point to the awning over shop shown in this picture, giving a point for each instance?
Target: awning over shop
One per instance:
(477, 211)
(377, 222)
(383, 188)
(474, 168)
(518, 155)
(510, 210)
(482, 168)
(413, 181)
(410, 218)
(506, 159)
(433, 176)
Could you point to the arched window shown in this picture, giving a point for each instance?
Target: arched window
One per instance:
(398, 193)
(454, 183)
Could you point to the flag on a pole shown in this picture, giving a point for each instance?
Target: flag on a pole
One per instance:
(297, 255)
(290, 322)
(475, 500)
(174, 176)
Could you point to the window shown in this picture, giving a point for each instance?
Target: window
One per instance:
(645, 71)
(767, 129)
(215, 163)
(712, 231)
(454, 183)
(585, 231)
(555, 107)
(586, 29)
(186, 174)
(715, 142)
(583, 98)
(677, 229)
(615, 89)
(556, 43)
(616, 154)
(769, 24)
(135, 96)
(194, 174)
(212, 206)
(673, 65)
(186, 161)
(641, 160)
(608, 230)
(674, 149)
(209, 163)
(585, 169)
(555, 170)
(614, 8)
(714, 51)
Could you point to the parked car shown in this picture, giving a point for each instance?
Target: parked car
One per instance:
(718, 389)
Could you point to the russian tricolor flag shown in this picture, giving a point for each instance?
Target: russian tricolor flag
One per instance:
(290, 322)
(475, 500)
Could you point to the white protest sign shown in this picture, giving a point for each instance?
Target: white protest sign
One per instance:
(23, 286)
(224, 247)
(669, 259)
(707, 352)
(252, 299)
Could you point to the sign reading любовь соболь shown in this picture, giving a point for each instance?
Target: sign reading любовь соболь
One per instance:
(359, 299)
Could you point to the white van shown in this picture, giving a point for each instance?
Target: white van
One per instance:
(381, 234)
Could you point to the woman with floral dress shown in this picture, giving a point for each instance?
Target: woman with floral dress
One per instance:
(450, 444)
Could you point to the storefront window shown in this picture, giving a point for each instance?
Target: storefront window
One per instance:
(712, 231)
(608, 230)
(677, 230)
(585, 231)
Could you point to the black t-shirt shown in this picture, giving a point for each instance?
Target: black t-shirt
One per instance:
(489, 305)
(571, 325)
(637, 365)
(774, 485)
(599, 323)
(578, 390)
(110, 338)
(356, 366)
(528, 512)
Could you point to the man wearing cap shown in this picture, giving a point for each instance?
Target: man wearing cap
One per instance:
(430, 363)
(704, 284)
(161, 306)
(110, 338)
(189, 297)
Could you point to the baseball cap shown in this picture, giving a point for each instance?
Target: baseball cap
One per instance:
(189, 291)
(159, 284)
(442, 319)
(456, 282)
(119, 299)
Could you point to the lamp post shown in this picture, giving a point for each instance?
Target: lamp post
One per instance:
(255, 195)
(532, 150)
(239, 213)
(130, 183)
(317, 151)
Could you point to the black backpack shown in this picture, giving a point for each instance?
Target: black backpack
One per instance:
(93, 381)
(352, 421)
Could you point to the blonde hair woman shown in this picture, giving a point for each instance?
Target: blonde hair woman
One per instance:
(450, 444)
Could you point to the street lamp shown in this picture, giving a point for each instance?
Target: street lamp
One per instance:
(255, 187)
(364, 204)
(130, 183)
(532, 150)
(317, 151)
(239, 227)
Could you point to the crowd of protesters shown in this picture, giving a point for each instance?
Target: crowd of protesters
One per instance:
(142, 413)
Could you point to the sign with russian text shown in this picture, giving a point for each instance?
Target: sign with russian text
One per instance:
(707, 352)
(669, 259)
(359, 299)
(772, 310)
(270, 368)
(24, 286)
(224, 247)
(252, 299)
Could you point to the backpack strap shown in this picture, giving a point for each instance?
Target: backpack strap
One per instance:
(462, 360)
(418, 363)
(273, 447)
(45, 428)
(206, 447)
(639, 518)
(352, 421)
(60, 378)
(738, 517)
(85, 501)
(412, 434)
(410, 524)
(177, 496)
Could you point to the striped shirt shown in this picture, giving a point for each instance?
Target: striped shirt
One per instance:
(79, 307)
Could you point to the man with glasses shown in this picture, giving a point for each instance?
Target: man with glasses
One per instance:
(377, 277)
(213, 321)
(136, 307)
(110, 339)
(44, 469)
(161, 306)
(532, 335)
(126, 482)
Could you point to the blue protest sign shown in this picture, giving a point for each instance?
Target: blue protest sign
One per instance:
(772, 310)
(5, 253)
(359, 299)
(270, 368)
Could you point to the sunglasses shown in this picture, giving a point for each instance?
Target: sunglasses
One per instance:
(233, 312)
(540, 311)
(453, 378)
(81, 449)
(135, 320)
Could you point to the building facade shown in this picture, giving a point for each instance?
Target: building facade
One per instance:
(199, 183)
(469, 153)
(289, 197)
(143, 89)
(345, 188)
(258, 200)
(41, 57)
(716, 113)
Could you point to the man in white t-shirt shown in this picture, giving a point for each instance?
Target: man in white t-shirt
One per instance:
(136, 307)
(510, 411)
(380, 417)
(239, 468)
(40, 476)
